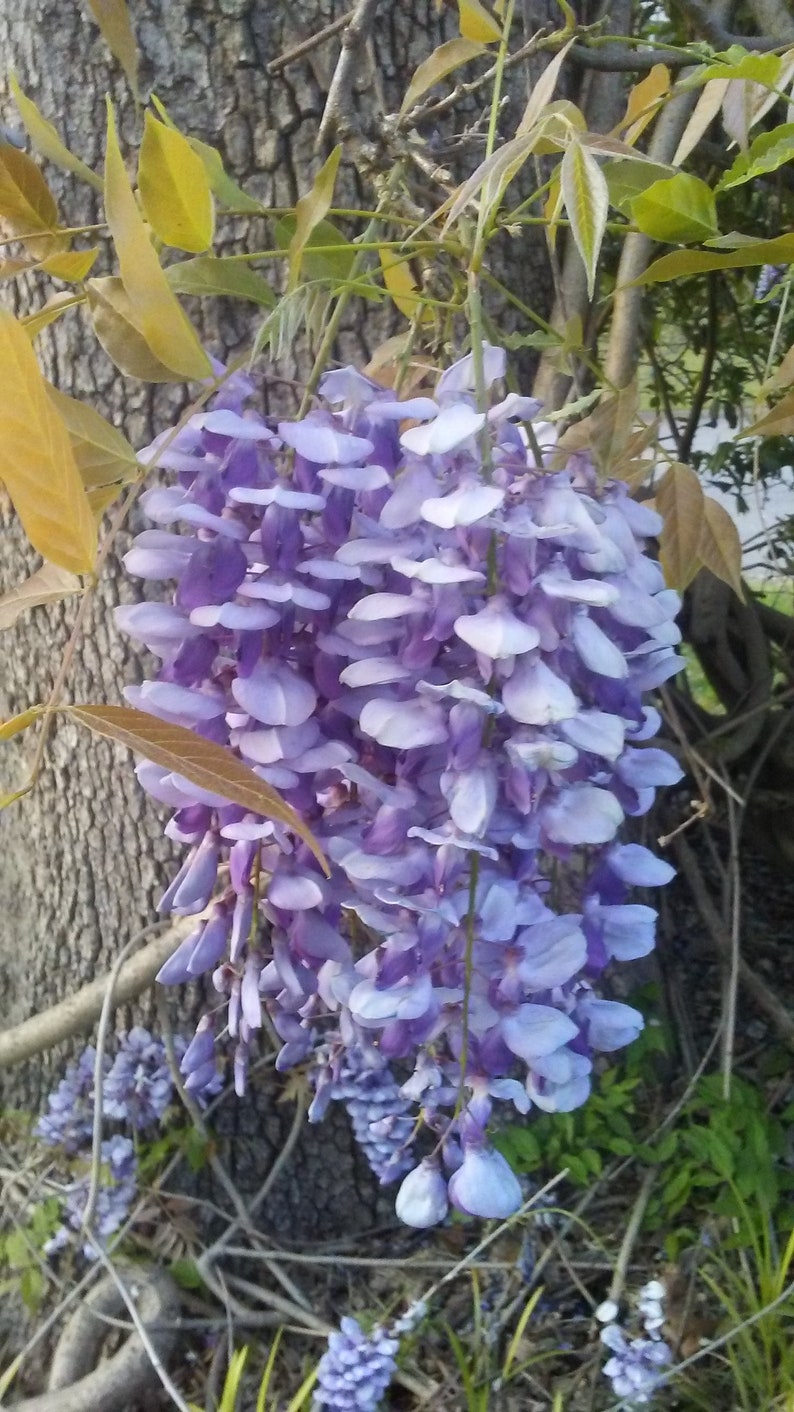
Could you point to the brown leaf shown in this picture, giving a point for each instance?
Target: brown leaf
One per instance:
(720, 547)
(680, 502)
(778, 422)
(27, 206)
(204, 763)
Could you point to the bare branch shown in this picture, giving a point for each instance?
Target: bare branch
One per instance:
(338, 103)
(78, 1012)
(299, 51)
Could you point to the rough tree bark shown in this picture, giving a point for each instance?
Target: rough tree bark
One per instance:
(84, 858)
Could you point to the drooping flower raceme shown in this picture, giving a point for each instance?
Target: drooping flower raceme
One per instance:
(434, 643)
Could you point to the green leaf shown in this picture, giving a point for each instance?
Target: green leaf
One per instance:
(46, 139)
(741, 64)
(586, 198)
(441, 62)
(175, 190)
(330, 265)
(677, 209)
(680, 502)
(49, 584)
(220, 275)
(204, 763)
(158, 316)
(720, 547)
(310, 210)
(629, 178)
(103, 455)
(185, 1274)
(113, 19)
(36, 459)
(233, 1380)
(680, 263)
(765, 154)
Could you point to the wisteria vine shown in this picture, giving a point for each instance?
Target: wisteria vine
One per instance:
(434, 642)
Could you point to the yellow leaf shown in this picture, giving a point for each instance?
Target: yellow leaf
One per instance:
(644, 101)
(441, 62)
(680, 501)
(71, 266)
(103, 456)
(310, 210)
(163, 324)
(720, 547)
(113, 19)
(100, 498)
(27, 206)
(117, 331)
(49, 312)
(476, 22)
(399, 281)
(49, 584)
(210, 766)
(45, 137)
(14, 726)
(36, 460)
(16, 265)
(175, 191)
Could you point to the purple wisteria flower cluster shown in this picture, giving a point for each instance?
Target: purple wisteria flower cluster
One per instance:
(434, 642)
(137, 1088)
(636, 1368)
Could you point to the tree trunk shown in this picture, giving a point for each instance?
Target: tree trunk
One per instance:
(84, 857)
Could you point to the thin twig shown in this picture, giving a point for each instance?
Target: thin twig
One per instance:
(339, 101)
(299, 51)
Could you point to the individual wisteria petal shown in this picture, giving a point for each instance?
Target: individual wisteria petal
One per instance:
(582, 813)
(435, 646)
(453, 426)
(485, 1185)
(536, 696)
(464, 506)
(496, 632)
(639, 867)
(404, 725)
(422, 1200)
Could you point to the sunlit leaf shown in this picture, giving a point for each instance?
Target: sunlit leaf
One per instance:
(644, 102)
(720, 547)
(586, 198)
(677, 209)
(680, 502)
(201, 761)
(310, 210)
(50, 311)
(49, 584)
(765, 154)
(477, 23)
(703, 115)
(223, 188)
(678, 264)
(175, 190)
(118, 333)
(157, 314)
(115, 26)
(778, 422)
(70, 265)
(46, 139)
(220, 275)
(399, 281)
(441, 62)
(27, 206)
(36, 460)
(102, 454)
(100, 498)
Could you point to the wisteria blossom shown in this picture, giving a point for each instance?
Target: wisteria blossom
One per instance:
(435, 643)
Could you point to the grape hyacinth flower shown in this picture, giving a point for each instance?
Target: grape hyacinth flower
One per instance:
(356, 1368)
(637, 1365)
(435, 644)
(69, 1120)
